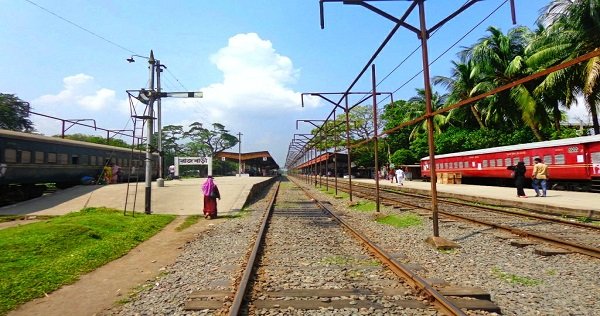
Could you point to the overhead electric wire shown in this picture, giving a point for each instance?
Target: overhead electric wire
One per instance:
(96, 35)
(81, 27)
(439, 56)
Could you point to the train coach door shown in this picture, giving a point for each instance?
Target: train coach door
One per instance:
(594, 165)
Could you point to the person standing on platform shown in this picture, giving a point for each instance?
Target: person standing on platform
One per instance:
(539, 176)
(171, 172)
(519, 176)
(400, 176)
(107, 173)
(211, 194)
(116, 173)
(393, 175)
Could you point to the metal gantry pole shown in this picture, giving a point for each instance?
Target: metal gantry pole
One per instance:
(375, 138)
(240, 154)
(424, 36)
(347, 111)
(335, 140)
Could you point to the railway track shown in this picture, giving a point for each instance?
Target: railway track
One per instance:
(306, 259)
(569, 236)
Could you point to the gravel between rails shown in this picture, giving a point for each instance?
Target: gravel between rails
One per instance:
(520, 282)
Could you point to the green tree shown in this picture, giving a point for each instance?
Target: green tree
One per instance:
(14, 114)
(461, 84)
(208, 142)
(417, 108)
(97, 140)
(500, 59)
(575, 25)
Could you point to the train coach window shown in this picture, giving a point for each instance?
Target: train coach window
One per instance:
(484, 163)
(559, 159)
(10, 155)
(507, 162)
(527, 161)
(499, 162)
(39, 157)
(51, 157)
(516, 161)
(595, 157)
(93, 160)
(492, 163)
(75, 160)
(25, 156)
(548, 159)
(63, 159)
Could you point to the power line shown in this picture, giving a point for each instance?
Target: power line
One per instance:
(81, 27)
(439, 56)
(97, 35)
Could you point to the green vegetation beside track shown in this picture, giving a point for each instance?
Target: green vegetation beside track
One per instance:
(38, 258)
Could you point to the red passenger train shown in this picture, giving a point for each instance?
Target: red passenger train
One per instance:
(574, 163)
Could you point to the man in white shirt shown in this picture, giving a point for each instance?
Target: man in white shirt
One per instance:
(400, 176)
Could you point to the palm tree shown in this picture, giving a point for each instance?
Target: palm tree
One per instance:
(580, 20)
(499, 59)
(461, 83)
(417, 108)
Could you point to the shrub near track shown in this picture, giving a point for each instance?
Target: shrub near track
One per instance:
(39, 258)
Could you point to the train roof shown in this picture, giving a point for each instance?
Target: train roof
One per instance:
(544, 144)
(48, 139)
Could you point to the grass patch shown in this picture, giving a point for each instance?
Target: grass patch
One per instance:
(514, 279)
(551, 272)
(189, 221)
(242, 213)
(447, 251)
(342, 261)
(40, 257)
(401, 221)
(363, 206)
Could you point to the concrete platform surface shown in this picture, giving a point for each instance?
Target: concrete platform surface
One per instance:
(178, 197)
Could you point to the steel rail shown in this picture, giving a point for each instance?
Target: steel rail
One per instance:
(582, 249)
(235, 308)
(442, 303)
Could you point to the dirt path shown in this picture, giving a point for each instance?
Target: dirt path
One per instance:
(100, 289)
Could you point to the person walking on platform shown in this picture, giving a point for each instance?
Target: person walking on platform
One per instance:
(211, 194)
(539, 176)
(400, 176)
(519, 176)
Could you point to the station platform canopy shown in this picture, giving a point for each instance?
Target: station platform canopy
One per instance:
(260, 160)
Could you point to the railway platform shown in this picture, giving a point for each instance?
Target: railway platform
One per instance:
(177, 197)
(576, 204)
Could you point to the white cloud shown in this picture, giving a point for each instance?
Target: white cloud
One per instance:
(79, 90)
(255, 79)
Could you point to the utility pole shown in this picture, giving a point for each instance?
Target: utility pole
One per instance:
(149, 125)
(147, 97)
(240, 153)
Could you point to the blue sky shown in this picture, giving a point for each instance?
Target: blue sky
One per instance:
(251, 59)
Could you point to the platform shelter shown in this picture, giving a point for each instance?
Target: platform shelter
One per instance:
(259, 163)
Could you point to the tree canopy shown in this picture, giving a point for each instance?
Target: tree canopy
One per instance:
(14, 114)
